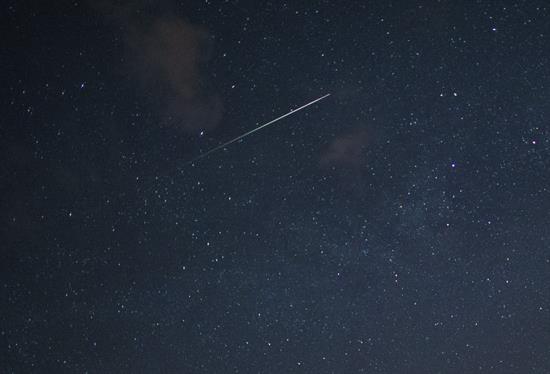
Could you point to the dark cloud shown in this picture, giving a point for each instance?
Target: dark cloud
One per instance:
(166, 55)
(347, 150)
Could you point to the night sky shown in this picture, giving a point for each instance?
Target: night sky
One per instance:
(400, 225)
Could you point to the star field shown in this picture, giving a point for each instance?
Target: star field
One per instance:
(400, 225)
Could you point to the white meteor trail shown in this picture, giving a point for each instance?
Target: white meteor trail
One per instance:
(256, 129)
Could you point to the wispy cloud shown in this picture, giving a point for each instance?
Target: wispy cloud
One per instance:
(166, 54)
(347, 150)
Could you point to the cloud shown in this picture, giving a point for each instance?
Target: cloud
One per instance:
(165, 55)
(347, 150)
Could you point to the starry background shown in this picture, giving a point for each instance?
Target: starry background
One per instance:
(399, 226)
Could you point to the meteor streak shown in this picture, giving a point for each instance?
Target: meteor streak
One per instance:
(256, 129)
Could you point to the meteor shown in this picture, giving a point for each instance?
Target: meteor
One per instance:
(256, 129)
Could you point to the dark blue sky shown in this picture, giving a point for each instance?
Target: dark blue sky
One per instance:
(400, 225)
